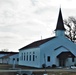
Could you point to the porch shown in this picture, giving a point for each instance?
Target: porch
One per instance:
(64, 57)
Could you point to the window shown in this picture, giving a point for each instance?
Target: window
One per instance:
(24, 56)
(33, 52)
(30, 58)
(73, 59)
(48, 58)
(17, 59)
(33, 57)
(27, 56)
(13, 59)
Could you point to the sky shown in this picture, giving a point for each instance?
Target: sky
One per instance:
(25, 21)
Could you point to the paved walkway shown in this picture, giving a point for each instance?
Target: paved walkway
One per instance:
(41, 70)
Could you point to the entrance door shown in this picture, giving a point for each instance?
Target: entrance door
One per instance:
(62, 62)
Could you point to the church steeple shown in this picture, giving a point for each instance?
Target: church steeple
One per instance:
(60, 29)
(60, 24)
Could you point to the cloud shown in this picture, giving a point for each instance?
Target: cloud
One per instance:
(25, 21)
(70, 4)
(19, 21)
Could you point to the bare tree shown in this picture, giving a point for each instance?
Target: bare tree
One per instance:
(4, 50)
(70, 24)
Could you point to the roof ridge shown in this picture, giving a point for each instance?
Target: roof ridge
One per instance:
(36, 43)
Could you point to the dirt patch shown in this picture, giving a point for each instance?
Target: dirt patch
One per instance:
(41, 73)
(8, 73)
(55, 73)
(8, 66)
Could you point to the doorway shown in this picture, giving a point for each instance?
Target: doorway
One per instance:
(62, 62)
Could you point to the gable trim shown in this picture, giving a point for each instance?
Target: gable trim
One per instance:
(60, 47)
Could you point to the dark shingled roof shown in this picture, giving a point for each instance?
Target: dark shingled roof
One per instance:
(2, 52)
(36, 43)
(60, 24)
(6, 56)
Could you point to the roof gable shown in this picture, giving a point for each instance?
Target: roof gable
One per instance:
(67, 44)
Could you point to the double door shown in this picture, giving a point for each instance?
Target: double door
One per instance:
(62, 62)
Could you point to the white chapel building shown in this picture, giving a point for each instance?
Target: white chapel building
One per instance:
(57, 50)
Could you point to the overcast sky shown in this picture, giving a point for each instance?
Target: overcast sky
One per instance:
(25, 21)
